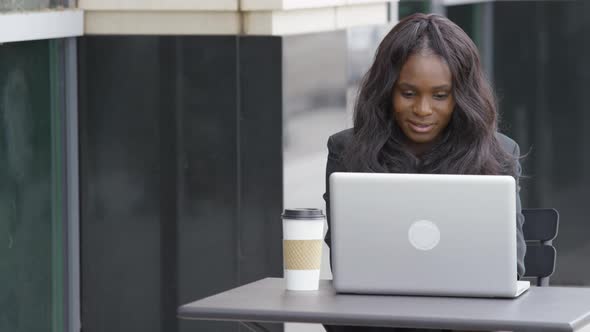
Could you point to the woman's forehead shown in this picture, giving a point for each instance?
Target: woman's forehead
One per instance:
(425, 69)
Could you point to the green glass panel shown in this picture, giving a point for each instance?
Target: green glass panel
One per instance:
(31, 225)
(21, 5)
(469, 18)
(409, 7)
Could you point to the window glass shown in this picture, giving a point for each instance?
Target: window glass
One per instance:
(22, 5)
(31, 225)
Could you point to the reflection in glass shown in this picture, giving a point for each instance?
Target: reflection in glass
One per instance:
(31, 250)
(29, 5)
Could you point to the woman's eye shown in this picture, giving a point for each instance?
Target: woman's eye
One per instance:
(407, 94)
(441, 96)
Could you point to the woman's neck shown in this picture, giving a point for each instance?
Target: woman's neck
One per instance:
(419, 149)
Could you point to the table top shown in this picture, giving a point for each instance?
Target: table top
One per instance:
(539, 309)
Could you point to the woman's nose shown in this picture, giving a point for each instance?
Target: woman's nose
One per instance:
(422, 108)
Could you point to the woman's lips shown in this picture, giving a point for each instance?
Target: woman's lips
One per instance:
(420, 128)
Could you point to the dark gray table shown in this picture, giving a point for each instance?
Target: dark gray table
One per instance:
(539, 309)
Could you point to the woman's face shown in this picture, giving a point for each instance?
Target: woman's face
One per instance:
(422, 100)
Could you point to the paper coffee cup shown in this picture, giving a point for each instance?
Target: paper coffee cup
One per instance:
(303, 232)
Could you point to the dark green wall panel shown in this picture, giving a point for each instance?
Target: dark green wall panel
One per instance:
(120, 184)
(542, 75)
(181, 175)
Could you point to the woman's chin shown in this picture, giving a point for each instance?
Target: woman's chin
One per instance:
(423, 138)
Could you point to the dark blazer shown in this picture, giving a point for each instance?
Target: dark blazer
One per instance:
(338, 141)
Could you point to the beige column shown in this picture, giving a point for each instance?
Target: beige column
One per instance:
(223, 17)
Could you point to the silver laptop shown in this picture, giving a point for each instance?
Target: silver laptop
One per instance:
(419, 234)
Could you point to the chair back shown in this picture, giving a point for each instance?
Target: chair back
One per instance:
(540, 229)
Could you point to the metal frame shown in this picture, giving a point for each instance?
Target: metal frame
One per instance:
(72, 299)
(72, 275)
(72, 312)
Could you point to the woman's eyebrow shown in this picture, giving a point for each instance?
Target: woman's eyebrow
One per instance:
(441, 87)
(405, 85)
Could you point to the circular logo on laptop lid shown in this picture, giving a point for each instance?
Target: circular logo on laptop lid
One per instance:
(424, 235)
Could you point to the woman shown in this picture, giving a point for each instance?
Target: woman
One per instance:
(425, 106)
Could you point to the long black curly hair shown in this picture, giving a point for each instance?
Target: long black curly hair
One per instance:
(468, 145)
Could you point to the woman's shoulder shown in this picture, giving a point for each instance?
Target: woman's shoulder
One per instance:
(507, 143)
(338, 141)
